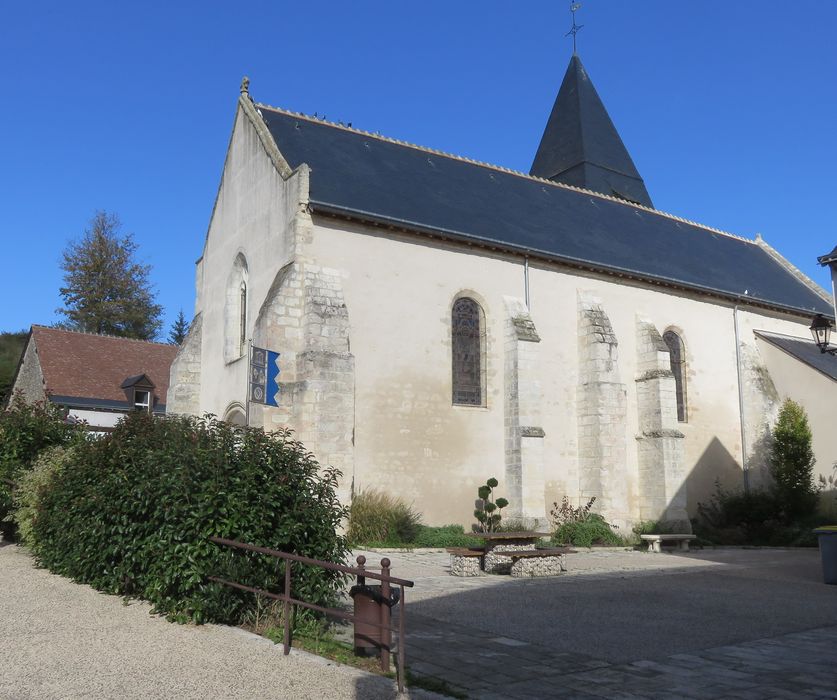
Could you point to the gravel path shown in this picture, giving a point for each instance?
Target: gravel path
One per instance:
(59, 639)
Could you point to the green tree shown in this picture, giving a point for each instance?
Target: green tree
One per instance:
(105, 289)
(179, 329)
(792, 461)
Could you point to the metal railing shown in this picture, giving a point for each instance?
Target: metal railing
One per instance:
(360, 571)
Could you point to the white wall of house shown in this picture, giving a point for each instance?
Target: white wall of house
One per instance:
(99, 419)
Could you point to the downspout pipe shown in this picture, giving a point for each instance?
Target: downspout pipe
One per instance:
(526, 281)
(744, 468)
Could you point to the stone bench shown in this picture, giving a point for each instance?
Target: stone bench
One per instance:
(655, 541)
(465, 561)
(532, 563)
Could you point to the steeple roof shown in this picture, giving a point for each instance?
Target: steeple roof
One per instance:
(581, 147)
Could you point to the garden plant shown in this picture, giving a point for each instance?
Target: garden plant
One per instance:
(131, 514)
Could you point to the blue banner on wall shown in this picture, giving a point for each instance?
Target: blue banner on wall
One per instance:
(264, 377)
(271, 398)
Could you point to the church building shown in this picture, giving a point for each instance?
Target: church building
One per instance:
(439, 321)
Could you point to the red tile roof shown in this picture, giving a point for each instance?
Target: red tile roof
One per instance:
(83, 365)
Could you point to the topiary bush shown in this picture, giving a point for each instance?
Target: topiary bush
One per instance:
(26, 430)
(131, 513)
(489, 512)
(377, 518)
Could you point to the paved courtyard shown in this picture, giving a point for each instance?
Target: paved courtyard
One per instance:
(729, 623)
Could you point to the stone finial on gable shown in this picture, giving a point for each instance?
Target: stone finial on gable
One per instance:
(245, 85)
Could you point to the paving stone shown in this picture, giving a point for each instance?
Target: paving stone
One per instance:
(794, 665)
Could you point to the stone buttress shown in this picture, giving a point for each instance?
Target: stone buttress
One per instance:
(662, 477)
(305, 317)
(524, 453)
(185, 380)
(602, 412)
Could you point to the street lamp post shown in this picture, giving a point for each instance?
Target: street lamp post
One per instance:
(820, 325)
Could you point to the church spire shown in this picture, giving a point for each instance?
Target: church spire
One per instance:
(581, 147)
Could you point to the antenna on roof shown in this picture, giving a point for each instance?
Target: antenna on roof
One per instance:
(574, 7)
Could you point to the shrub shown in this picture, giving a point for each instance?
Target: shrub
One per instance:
(26, 430)
(580, 526)
(828, 494)
(376, 517)
(32, 486)
(585, 533)
(792, 462)
(131, 514)
(567, 513)
(752, 518)
(444, 536)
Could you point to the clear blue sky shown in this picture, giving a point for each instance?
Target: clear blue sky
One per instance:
(729, 110)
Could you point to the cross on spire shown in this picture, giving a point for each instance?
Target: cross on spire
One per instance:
(574, 7)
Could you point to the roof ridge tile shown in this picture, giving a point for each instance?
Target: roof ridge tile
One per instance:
(100, 335)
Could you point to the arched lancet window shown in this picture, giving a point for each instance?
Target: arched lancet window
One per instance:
(468, 352)
(678, 367)
(242, 320)
(235, 311)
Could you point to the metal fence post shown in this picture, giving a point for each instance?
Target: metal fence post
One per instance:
(386, 611)
(287, 613)
(401, 642)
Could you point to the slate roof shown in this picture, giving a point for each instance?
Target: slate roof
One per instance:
(804, 350)
(364, 176)
(86, 370)
(580, 145)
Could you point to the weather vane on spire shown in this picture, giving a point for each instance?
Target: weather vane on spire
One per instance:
(574, 7)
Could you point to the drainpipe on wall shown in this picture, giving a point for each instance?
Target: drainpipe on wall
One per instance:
(744, 469)
(526, 280)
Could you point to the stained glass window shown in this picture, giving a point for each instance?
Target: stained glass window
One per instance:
(678, 368)
(467, 344)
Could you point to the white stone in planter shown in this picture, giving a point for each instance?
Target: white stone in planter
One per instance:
(464, 566)
(532, 567)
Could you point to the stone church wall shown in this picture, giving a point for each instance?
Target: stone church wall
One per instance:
(253, 221)
(411, 441)
(362, 319)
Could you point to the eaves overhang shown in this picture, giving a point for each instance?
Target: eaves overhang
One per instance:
(106, 405)
(471, 239)
(802, 350)
(828, 258)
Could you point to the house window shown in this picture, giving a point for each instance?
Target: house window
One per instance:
(468, 350)
(142, 400)
(677, 354)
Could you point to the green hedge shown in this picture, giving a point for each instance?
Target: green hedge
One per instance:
(131, 514)
(25, 431)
